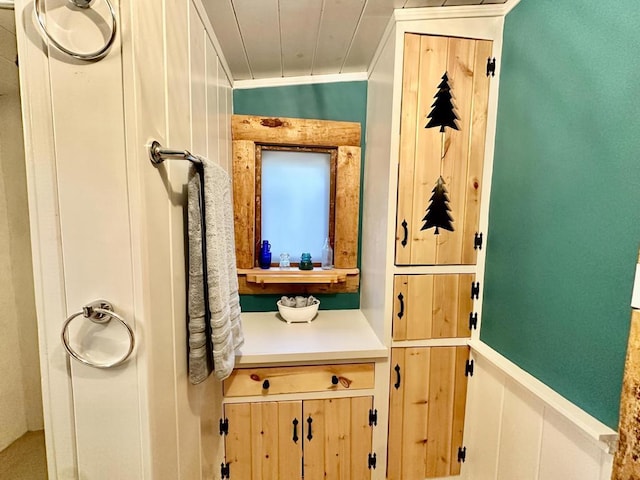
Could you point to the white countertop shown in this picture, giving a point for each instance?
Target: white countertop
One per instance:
(334, 335)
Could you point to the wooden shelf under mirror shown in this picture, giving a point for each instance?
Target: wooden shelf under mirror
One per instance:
(295, 281)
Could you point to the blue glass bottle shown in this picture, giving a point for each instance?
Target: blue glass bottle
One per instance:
(264, 260)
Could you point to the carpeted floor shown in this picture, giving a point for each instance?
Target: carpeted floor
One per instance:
(24, 459)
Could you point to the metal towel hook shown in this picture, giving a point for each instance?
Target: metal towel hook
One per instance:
(101, 312)
(98, 54)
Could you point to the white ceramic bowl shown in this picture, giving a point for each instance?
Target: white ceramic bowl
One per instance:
(298, 315)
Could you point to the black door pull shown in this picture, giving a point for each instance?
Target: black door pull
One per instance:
(295, 430)
(265, 385)
(406, 233)
(397, 369)
(309, 422)
(401, 312)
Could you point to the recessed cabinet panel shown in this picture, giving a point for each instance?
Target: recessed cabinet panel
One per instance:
(428, 390)
(337, 439)
(432, 306)
(264, 440)
(455, 155)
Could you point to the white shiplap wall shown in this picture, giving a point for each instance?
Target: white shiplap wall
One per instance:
(517, 428)
(107, 224)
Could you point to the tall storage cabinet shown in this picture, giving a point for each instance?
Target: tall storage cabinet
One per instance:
(433, 80)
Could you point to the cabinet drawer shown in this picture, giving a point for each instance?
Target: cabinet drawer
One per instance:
(315, 378)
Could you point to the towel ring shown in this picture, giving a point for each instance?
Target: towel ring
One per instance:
(98, 54)
(100, 312)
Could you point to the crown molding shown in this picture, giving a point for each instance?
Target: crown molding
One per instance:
(303, 80)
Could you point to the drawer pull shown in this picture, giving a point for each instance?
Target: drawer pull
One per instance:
(295, 430)
(334, 380)
(401, 312)
(309, 422)
(265, 385)
(397, 369)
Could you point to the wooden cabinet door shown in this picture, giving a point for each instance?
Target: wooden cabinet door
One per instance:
(337, 439)
(426, 411)
(427, 153)
(261, 444)
(432, 306)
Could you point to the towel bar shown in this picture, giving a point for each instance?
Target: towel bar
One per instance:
(157, 154)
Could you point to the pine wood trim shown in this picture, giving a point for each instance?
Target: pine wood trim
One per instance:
(295, 131)
(248, 133)
(244, 205)
(347, 209)
(256, 281)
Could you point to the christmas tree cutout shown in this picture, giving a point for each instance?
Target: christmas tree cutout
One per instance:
(438, 210)
(443, 112)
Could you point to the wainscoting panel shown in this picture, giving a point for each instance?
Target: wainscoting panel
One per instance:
(520, 429)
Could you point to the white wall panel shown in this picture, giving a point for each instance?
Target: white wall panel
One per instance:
(92, 179)
(565, 453)
(512, 432)
(378, 198)
(225, 85)
(213, 117)
(483, 422)
(117, 223)
(198, 84)
(521, 434)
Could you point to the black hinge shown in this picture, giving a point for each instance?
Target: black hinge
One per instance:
(473, 321)
(372, 461)
(462, 454)
(224, 470)
(373, 417)
(224, 426)
(477, 242)
(475, 290)
(491, 66)
(468, 369)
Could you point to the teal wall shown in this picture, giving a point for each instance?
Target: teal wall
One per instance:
(345, 101)
(565, 200)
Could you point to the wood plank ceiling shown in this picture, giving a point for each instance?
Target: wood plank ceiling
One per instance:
(290, 38)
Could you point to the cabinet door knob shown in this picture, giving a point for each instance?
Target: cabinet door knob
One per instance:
(334, 379)
(265, 385)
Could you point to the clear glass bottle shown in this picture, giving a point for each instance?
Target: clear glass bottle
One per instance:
(327, 255)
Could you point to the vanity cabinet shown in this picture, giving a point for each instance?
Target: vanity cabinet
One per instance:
(292, 421)
(314, 439)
